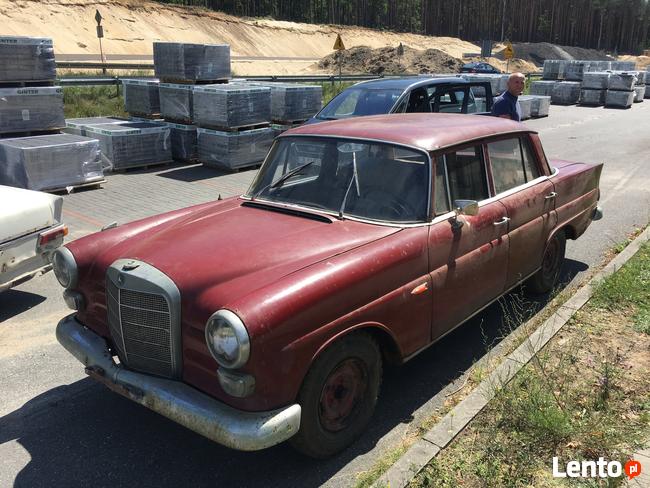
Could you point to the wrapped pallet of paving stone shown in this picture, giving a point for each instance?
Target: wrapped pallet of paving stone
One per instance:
(639, 93)
(183, 141)
(26, 59)
(622, 81)
(641, 77)
(291, 102)
(596, 80)
(79, 126)
(56, 161)
(623, 65)
(176, 102)
(553, 69)
(600, 65)
(575, 70)
(231, 105)
(141, 97)
(132, 144)
(544, 88)
(233, 150)
(566, 93)
(541, 106)
(647, 92)
(31, 109)
(175, 61)
(526, 104)
(619, 99)
(592, 97)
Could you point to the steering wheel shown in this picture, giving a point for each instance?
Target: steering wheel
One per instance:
(395, 206)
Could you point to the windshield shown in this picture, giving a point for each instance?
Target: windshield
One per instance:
(357, 101)
(368, 180)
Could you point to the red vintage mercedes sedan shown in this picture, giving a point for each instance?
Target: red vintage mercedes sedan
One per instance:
(268, 317)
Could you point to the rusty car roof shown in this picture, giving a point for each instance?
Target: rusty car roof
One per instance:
(429, 131)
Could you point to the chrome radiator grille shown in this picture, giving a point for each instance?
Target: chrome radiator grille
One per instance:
(141, 324)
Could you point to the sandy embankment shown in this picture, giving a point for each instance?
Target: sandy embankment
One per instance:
(130, 27)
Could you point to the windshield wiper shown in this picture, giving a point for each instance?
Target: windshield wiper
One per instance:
(354, 179)
(280, 181)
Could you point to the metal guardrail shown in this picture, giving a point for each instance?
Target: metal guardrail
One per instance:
(117, 80)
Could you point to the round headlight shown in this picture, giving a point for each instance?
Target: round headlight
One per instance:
(227, 339)
(64, 267)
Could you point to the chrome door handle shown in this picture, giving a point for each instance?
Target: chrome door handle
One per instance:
(550, 196)
(503, 221)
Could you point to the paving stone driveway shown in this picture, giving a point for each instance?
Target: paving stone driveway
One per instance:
(129, 196)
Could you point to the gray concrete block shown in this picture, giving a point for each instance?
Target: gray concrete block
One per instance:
(566, 93)
(592, 97)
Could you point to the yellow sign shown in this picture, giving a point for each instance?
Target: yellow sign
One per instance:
(338, 44)
(508, 52)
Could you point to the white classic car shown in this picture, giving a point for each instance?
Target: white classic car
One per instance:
(30, 230)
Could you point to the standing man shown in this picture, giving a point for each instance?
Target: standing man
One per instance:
(506, 105)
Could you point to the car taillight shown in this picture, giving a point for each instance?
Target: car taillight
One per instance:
(51, 235)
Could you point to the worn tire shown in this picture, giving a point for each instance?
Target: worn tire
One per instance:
(338, 396)
(546, 278)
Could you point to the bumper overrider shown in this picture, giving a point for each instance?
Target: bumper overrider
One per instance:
(246, 431)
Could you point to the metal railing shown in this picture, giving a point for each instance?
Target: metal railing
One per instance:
(117, 80)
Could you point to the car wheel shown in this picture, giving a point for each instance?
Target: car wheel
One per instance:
(545, 279)
(338, 396)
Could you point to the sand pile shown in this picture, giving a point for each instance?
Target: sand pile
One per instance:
(386, 60)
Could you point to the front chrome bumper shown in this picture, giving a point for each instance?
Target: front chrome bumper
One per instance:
(246, 431)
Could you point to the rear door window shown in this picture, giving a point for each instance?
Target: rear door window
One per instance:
(512, 164)
(466, 176)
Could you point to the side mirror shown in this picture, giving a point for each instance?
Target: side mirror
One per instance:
(462, 207)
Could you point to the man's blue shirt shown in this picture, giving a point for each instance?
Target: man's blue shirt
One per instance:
(507, 104)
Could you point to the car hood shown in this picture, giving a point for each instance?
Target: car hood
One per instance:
(241, 248)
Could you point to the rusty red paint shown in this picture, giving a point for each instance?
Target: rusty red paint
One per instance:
(299, 284)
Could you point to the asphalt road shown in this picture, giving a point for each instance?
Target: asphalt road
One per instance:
(59, 428)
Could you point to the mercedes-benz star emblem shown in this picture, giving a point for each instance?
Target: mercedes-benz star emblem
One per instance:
(120, 279)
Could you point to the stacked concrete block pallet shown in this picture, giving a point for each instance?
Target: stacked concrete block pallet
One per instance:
(182, 68)
(594, 88)
(79, 126)
(566, 93)
(534, 106)
(639, 87)
(620, 89)
(647, 83)
(141, 98)
(50, 162)
(291, 104)
(233, 121)
(33, 152)
(131, 144)
(544, 87)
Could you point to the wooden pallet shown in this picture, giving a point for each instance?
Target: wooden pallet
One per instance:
(27, 83)
(289, 122)
(179, 121)
(12, 135)
(179, 81)
(78, 186)
(151, 117)
(239, 128)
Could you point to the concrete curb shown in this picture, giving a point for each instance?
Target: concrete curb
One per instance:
(441, 434)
